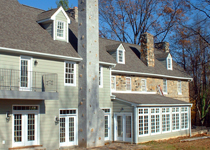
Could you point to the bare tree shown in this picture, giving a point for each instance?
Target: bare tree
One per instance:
(127, 20)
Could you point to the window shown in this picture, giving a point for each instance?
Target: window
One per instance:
(169, 62)
(184, 118)
(60, 29)
(107, 131)
(164, 86)
(143, 121)
(165, 119)
(179, 87)
(175, 118)
(70, 73)
(155, 120)
(128, 83)
(113, 83)
(100, 77)
(121, 56)
(143, 85)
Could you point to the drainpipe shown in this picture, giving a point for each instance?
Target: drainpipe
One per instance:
(135, 126)
(190, 120)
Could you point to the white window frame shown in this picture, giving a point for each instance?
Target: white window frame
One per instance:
(179, 87)
(127, 83)
(74, 74)
(114, 82)
(169, 62)
(165, 89)
(37, 125)
(155, 114)
(123, 57)
(64, 33)
(176, 120)
(165, 113)
(184, 119)
(75, 142)
(30, 60)
(145, 81)
(100, 76)
(143, 115)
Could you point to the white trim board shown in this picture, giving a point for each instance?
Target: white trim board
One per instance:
(150, 74)
(61, 57)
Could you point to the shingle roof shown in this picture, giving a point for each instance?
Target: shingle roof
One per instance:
(46, 14)
(19, 30)
(149, 99)
(111, 48)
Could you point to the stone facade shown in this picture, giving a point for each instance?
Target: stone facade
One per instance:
(147, 49)
(152, 83)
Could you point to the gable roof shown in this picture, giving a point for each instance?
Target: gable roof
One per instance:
(19, 30)
(46, 14)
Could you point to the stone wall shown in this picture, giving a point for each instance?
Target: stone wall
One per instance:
(152, 84)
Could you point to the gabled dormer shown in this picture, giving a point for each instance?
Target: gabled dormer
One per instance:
(56, 22)
(169, 62)
(118, 52)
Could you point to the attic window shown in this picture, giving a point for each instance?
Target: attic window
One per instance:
(169, 62)
(121, 56)
(60, 29)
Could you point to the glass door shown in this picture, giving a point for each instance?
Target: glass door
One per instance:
(25, 74)
(25, 131)
(123, 128)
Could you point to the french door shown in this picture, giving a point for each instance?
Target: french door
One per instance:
(123, 128)
(25, 74)
(68, 127)
(25, 128)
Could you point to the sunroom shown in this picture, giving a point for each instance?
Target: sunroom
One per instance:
(146, 117)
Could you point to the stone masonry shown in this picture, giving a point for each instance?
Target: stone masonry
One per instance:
(152, 86)
(164, 46)
(147, 50)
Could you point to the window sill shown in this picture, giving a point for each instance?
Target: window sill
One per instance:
(65, 84)
(179, 93)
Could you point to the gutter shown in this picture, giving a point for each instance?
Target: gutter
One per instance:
(150, 74)
(61, 57)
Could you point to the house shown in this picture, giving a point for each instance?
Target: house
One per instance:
(62, 86)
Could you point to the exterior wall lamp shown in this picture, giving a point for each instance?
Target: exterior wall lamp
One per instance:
(56, 119)
(8, 115)
(35, 62)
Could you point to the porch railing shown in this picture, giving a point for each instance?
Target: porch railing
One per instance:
(28, 80)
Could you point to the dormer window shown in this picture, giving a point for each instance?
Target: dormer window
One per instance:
(169, 62)
(121, 54)
(60, 29)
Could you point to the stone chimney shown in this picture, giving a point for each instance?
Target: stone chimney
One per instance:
(147, 49)
(90, 116)
(73, 12)
(164, 46)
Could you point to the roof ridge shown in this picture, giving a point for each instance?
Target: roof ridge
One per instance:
(32, 7)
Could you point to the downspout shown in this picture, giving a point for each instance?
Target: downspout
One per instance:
(135, 126)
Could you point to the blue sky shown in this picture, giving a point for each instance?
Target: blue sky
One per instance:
(46, 4)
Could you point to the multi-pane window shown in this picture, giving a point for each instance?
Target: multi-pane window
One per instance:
(113, 83)
(155, 120)
(143, 85)
(128, 83)
(175, 118)
(18, 127)
(165, 119)
(107, 123)
(121, 56)
(184, 118)
(60, 29)
(143, 121)
(100, 77)
(70, 71)
(169, 62)
(164, 86)
(179, 87)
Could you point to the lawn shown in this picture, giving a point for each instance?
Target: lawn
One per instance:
(175, 144)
